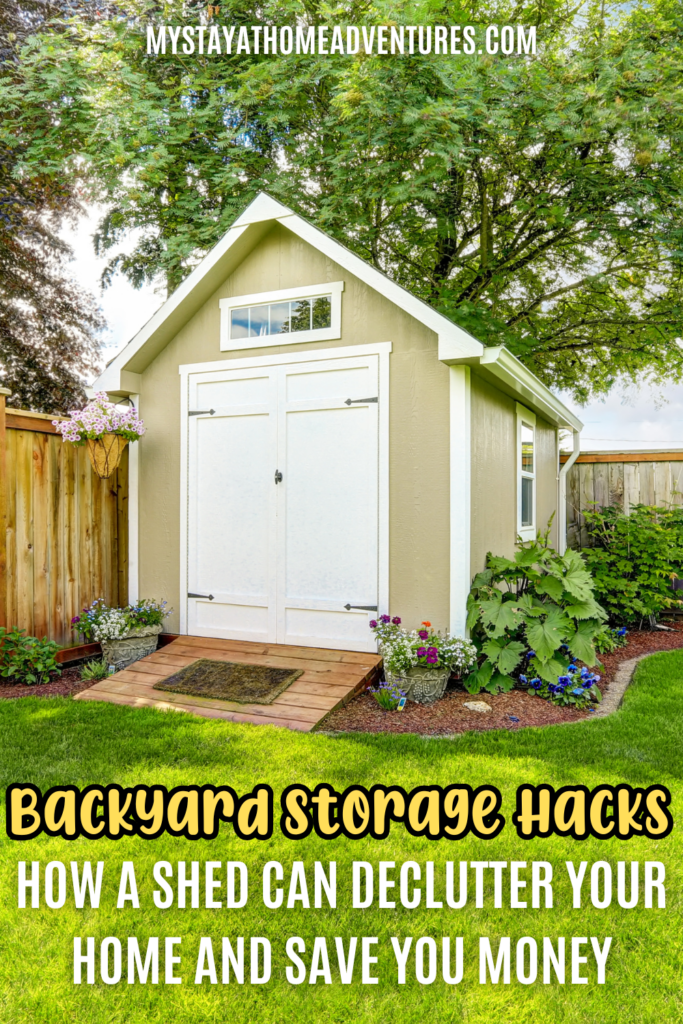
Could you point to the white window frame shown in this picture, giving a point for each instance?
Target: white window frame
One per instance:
(332, 333)
(528, 419)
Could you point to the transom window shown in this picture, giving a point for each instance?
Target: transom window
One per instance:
(284, 317)
(309, 314)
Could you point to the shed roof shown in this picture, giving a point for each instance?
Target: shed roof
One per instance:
(455, 345)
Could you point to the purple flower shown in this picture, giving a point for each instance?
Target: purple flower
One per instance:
(373, 623)
(422, 652)
(396, 621)
(423, 634)
(384, 618)
(75, 619)
(432, 656)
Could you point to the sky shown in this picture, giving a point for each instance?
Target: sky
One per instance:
(630, 419)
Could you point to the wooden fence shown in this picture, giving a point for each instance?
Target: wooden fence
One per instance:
(65, 537)
(620, 478)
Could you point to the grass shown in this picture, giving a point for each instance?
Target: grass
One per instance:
(58, 741)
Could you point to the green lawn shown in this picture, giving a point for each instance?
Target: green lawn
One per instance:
(57, 741)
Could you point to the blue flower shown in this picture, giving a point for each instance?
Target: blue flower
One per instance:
(523, 679)
(572, 669)
(536, 683)
(531, 654)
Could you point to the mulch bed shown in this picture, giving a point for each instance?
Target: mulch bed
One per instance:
(449, 716)
(68, 683)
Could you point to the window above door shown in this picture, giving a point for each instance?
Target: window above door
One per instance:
(288, 316)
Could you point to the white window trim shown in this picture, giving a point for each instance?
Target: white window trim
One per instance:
(383, 350)
(528, 418)
(332, 333)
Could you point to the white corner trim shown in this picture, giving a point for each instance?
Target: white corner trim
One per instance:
(500, 362)
(331, 333)
(562, 492)
(524, 416)
(184, 498)
(134, 515)
(460, 496)
(383, 477)
(316, 355)
(262, 207)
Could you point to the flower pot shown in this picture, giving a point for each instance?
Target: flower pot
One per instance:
(422, 684)
(136, 644)
(105, 453)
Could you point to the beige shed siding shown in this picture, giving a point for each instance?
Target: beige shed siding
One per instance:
(419, 427)
(494, 473)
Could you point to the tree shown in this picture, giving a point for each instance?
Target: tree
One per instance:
(535, 201)
(47, 323)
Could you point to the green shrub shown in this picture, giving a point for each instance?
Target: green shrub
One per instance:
(387, 695)
(25, 658)
(608, 640)
(95, 670)
(531, 617)
(633, 558)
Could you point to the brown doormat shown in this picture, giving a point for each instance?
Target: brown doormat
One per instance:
(230, 680)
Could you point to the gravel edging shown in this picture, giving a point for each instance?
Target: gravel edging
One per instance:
(617, 688)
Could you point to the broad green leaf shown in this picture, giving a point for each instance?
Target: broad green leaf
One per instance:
(548, 670)
(547, 635)
(498, 563)
(551, 586)
(500, 683)
(482, 579)
(499, 615)
(580, 643)
(589, 609)
(505, 656)
(478, 679)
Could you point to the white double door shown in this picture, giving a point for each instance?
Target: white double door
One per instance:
(283, 503)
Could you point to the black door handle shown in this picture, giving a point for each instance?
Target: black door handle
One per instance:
(278, 476)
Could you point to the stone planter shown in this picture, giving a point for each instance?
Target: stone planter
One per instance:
(138, 643)
(422, 684)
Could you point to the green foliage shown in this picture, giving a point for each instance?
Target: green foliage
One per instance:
(633, 559)
(531, 616)
(95, 670)
(609, 640)
(387, 695)
(25, 658)
(535, 201)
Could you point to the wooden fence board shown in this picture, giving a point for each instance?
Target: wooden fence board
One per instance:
(605, 482)
(66, 531)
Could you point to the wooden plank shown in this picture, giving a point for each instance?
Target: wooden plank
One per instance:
(11, 511)
(280, 654)
(676, 470)
(58, 622)
(97, 557)
(631, 485)
(77, 651)
(586, 499)
(3, 510)
(122, 529)
(23, 421)
(647, 483)
(662, 483)
(319, 653)
(230, 716)
(24, 531)
(573, 506)
(41, 556)
(120, 684)
(616, 484)
(87, 588)
(321, 667)
(71, 567)
(601, 485)
(657, 456)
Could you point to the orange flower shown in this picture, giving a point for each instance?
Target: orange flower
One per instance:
(425, 623)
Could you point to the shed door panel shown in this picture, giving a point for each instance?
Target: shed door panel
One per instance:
(231, 509)
(281, 560)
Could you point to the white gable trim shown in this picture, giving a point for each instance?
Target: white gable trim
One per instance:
(264, 211)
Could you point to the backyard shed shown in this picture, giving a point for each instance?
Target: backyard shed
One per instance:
(322, 446)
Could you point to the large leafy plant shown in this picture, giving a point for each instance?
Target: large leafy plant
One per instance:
(26, 658)
(531, 617)
(632, 559)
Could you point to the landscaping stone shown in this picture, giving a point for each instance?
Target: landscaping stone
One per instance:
(477, 705)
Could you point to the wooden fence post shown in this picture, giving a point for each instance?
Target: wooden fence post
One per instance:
(4, 392)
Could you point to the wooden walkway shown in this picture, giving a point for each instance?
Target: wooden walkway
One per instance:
(330, 678)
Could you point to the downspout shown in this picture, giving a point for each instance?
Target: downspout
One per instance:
(562, 492)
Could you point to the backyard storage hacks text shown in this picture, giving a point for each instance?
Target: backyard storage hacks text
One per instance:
(599, 479)
(63, 531)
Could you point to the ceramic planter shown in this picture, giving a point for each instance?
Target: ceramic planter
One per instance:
(422, 684)
(105, 453)
(136, 644)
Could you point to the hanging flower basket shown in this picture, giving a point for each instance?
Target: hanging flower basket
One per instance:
(104, 429)
(105, 453)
